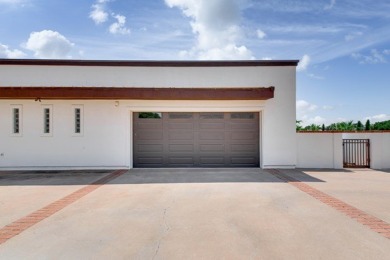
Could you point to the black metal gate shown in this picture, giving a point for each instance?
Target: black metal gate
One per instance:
(356, 153)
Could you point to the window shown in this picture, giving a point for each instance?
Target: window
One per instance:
(180, 115)
(16, 115)
(77, 120)
(152, 115)
(242, 115)
(47, 120)
(16, 126)
(77, 124)
(211, 116)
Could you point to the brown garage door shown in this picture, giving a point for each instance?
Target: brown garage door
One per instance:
(196, 139)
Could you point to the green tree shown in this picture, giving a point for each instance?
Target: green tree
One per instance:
(298, 126)
(359, 126)
(323, 127)
(149, 115)
(368, 125)
(312, 127)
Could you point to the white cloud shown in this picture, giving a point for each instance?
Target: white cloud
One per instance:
(49, 44)
(331, 5)
(119, 26)
(260, 34)
(377, 118)
(303, 63)
(216, 26)
(6, 52)
(374, 57)
(317, 120)
(304, 107)
(353, 35)
(326, 107)
(98, 13)
(314, 76)
(11, 1)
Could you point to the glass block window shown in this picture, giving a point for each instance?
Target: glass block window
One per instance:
(46, 120)
(77, 120)
(16, 120)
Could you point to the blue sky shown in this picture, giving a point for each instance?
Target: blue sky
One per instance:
(344, 46)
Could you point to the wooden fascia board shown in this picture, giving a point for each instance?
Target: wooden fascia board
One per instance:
(62, 93)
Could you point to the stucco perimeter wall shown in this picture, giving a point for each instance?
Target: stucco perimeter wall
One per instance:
(379, 147)
(325, 150)
(319, 150)
(106, 141)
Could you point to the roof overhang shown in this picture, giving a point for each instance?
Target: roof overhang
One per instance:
(67, 93)
(149, 63)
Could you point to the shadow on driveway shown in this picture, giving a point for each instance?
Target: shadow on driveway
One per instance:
(148, 176)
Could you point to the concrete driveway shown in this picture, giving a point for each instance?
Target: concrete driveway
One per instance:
(195, 214)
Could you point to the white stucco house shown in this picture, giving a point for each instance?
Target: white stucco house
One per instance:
(68, 114)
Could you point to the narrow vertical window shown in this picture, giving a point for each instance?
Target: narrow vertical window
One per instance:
(77, 121)
(46, 120)
(77, 126)
(16, 120)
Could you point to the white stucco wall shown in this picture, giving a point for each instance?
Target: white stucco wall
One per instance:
(324, 150)
(107, 136)
(319, 150)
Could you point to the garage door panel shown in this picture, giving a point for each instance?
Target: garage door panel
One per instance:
(150, 160)
(185, 125)
(243, 148)
(212, 126)
(181, 147)
(150, 135)
(216, 135)
(150, 124)
(242, 135)
(181, 135)
(197, 140)
(150, 148)
(212, 147)
(212, 160)
(181, 160)
(243, 160)
(250, 126)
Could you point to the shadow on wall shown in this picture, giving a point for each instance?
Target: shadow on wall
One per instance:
(150, 176)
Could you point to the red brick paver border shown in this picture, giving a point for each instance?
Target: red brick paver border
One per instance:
(24, 223)
(375, 224)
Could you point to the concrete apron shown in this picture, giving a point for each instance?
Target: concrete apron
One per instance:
(191, 213)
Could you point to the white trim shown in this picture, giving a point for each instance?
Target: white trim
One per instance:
(279, 166)
(198, 106)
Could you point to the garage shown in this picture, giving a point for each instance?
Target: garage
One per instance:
(186, 139)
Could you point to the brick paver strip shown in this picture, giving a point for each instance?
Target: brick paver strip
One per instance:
(24, 223)
(375, 224)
